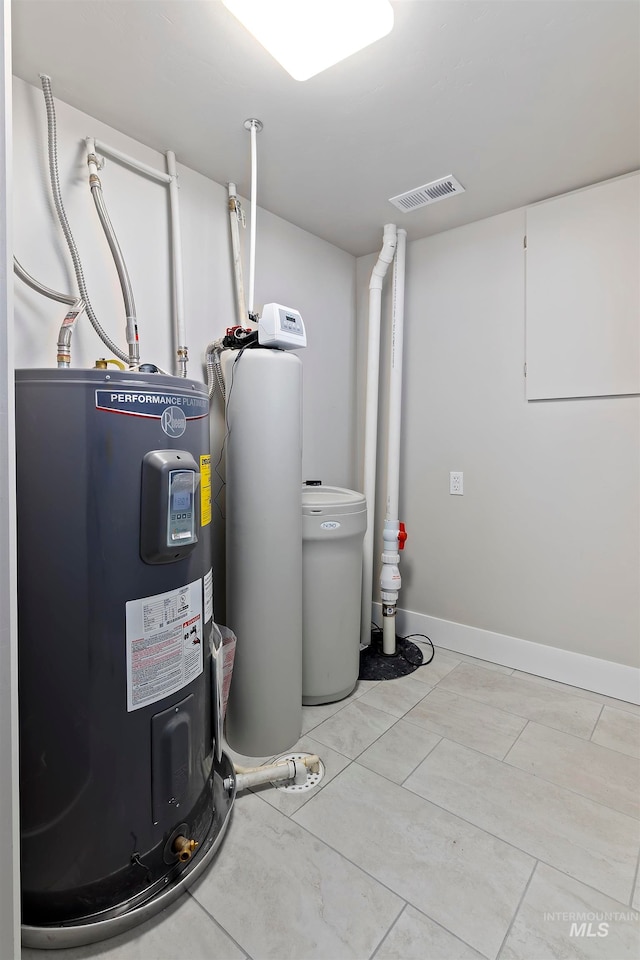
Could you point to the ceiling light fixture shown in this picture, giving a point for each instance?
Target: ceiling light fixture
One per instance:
(307, 36)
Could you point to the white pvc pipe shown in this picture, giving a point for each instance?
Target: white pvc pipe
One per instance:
(389, 635)
(270, 774)
(371, 422)
(169, 179)
(182, 355)
(241, 309)
(312, 762)
(132, 162)
(390, 580)
(118, 258)
(395, 379)
(283, 770)
(254, 191)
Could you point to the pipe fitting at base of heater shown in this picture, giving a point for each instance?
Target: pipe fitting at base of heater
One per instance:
(184, 848)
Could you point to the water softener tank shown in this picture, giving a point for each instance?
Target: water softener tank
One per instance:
(121, 800)
(264, 548)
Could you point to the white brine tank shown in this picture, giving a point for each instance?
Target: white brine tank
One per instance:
(334, 521)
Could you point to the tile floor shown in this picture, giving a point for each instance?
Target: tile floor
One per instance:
(467, 811)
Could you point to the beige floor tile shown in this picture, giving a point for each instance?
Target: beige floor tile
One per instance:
(581, 692)
(487, 664)
(524, 698)
(467, 881)
(288, 802)
(313, 716)
(618, 730)
(561, 918)
(353, 729)
(416, 937)
(395, 696)
(398, 751)
(603, 775)
(592, 843)
(182, 930)
(467, 721)
(281, 893)
(440, 666)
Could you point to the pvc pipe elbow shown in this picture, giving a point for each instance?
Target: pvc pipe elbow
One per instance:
(385, 257)
(389, 240)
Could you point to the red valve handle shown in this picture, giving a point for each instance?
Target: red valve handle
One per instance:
(402, 536)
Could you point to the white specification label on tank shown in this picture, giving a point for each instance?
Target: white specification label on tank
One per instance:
(164, 644)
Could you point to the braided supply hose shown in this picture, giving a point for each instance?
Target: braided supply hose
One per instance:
(64, 223)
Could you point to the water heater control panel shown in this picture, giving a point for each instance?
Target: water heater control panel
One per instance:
(181, 525)
(281, 327)
(169, 506)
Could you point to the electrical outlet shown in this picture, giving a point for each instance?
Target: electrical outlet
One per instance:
(455, 482)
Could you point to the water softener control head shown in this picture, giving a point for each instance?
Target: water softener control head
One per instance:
(281, 327)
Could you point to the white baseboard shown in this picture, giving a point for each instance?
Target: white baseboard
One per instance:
(577, 669)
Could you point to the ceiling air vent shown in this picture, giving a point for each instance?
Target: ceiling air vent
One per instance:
(429, 193)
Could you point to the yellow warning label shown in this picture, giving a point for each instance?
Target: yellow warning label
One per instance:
(205, 490)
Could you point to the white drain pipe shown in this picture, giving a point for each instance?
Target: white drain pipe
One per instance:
(254, 127)
(371, 422)
(182, 351)
(289, 769)
(394, 535)
(170, 180)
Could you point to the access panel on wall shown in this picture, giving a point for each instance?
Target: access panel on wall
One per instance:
(583, 292)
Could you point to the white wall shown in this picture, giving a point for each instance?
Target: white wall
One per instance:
(9, 838)
(544, 546)
(292, 267)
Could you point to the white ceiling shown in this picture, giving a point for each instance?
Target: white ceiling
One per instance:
(518, 99)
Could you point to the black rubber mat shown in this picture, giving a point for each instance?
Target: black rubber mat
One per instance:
(375, 665)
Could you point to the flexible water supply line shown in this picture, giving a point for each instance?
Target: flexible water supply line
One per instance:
(390, 580)
(30, 281)
(217, 366)
(121, 268)
(182, 353)
(210, 364)
(371, 422)
(67, 328)
(235, 215)
(170, 180)
(214, 369)
(52, 147)
(63, 356)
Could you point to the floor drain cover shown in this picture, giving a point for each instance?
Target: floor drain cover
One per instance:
(313, 779)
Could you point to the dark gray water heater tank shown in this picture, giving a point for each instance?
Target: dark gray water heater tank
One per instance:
(115, 612)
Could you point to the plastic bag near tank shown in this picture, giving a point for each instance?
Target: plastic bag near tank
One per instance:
(222, 642)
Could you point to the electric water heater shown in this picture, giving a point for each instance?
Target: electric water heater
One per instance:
(121, 800)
